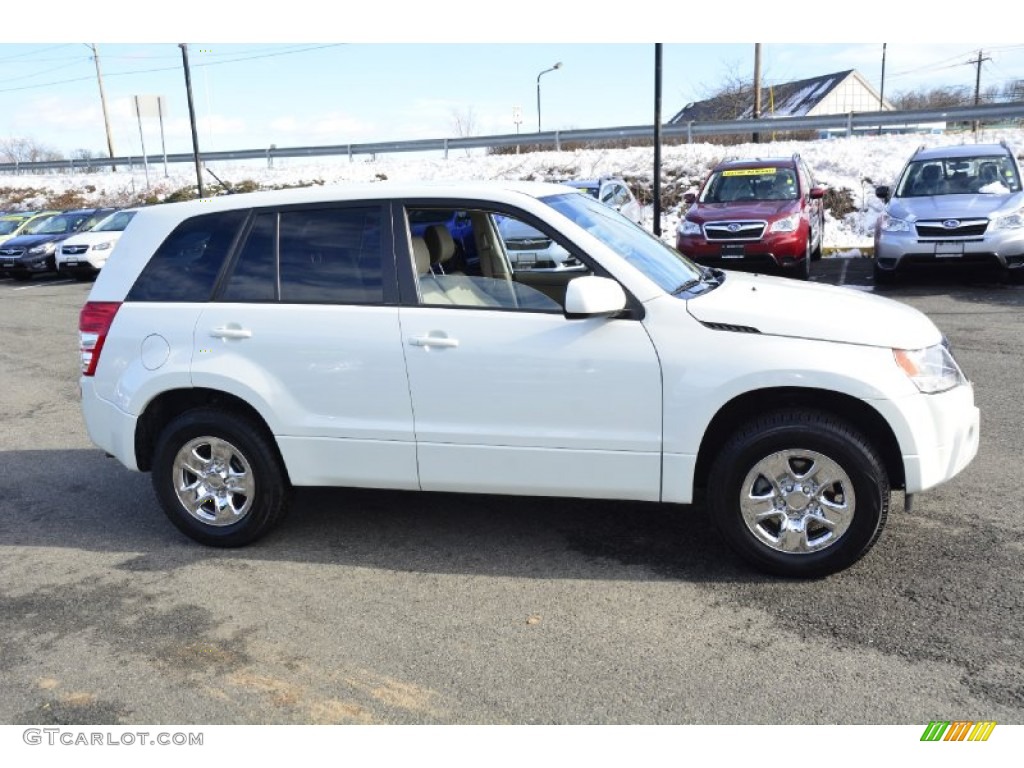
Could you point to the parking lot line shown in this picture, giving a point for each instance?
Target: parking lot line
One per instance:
(41, 285)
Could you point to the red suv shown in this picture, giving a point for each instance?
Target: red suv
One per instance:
(758, 213)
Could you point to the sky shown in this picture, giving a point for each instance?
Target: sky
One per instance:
(420, 72)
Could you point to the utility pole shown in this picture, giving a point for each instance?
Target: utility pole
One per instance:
(192, 117)
(103, 103)
(881, 91)
(657, 140)
(977, 86)
(757, 88)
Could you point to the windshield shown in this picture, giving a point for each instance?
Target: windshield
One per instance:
(9, 225)
(744, 184)
(36, 225)
(659, 262)
(987, 175)
(116, 222)
(59, 225)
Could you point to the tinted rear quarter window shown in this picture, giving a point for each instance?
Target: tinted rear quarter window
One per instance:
(186, 265)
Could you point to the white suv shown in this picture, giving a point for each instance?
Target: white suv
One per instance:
(242, 345)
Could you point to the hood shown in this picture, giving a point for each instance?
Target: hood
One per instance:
(31, 241)
(953, 206)
(702, 213)
(782, 306)
(91, 238)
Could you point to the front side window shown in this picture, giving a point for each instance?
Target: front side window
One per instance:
(186, 265)
(496, 279)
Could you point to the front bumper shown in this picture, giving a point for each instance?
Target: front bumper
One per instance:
(780, 250)
(905, 250)
(938, 434)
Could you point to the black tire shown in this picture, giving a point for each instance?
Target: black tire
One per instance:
(804, 268)
(244, 492)
(836, 472)
(22, 277)
(818, 249)
(883, 276)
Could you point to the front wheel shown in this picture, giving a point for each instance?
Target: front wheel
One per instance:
(799, 493)
(219, 478)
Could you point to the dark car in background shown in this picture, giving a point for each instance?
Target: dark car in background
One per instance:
(764, 213)
(29, 254)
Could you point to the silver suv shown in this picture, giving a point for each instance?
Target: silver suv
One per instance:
(953, 205)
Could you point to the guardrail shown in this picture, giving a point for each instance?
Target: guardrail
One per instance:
(848, 122)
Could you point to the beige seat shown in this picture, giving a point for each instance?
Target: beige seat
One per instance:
(457, 287)
(430, 291)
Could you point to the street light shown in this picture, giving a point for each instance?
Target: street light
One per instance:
(552, 69)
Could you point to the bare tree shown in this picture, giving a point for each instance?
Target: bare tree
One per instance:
(21, 150)
(464, 123)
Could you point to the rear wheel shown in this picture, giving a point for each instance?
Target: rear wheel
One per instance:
(799, 493)
(218, 478)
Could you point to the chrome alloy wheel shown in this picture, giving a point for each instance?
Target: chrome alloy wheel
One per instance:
(213, 481)
(797, 501)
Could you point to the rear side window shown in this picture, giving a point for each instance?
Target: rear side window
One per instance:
(331, 256)
(254, 277)
(186, 265)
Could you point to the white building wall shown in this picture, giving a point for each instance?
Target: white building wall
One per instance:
(849, 96)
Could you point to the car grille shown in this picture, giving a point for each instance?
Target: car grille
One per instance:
(73, 250)
(528, 244)
(735, 230)
(11, 252)
(963, 228)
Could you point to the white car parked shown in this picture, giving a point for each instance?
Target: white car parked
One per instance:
(242, 345)
(614, 193)
(84, 254)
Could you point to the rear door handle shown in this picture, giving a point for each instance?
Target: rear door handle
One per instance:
(433, 341)
(230, 332)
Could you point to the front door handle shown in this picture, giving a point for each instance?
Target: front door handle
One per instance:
(230, 332)
(433, 341)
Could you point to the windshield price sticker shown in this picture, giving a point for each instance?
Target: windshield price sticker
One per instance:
(750, 172)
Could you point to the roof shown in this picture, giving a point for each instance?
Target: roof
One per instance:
(963, 150)
(756, 162)
(794, 99)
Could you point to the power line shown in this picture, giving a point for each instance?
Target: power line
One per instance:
(174, 68)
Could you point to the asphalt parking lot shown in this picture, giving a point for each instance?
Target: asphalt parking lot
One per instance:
(403, 608)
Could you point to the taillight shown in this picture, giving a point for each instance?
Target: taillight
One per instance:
(93, 323)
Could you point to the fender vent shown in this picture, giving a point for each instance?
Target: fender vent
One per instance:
(728, 327)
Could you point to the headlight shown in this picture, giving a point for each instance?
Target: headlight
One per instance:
(932, 369)
(687, 227)
(102, 246)
(1013, 220)
(44, 248)
(788, 224)
(892, 224)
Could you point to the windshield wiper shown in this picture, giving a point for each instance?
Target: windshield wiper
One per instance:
(693, 283)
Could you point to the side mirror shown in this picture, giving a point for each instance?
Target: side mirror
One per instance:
(883, 193)
(817, 193)
(689, 198)
(592, 296)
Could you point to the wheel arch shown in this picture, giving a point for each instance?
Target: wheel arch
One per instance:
(168, 405)
(745, 407)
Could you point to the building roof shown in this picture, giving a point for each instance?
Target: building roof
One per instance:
(794, 99)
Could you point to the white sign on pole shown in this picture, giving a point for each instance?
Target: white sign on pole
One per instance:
(150, 106)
